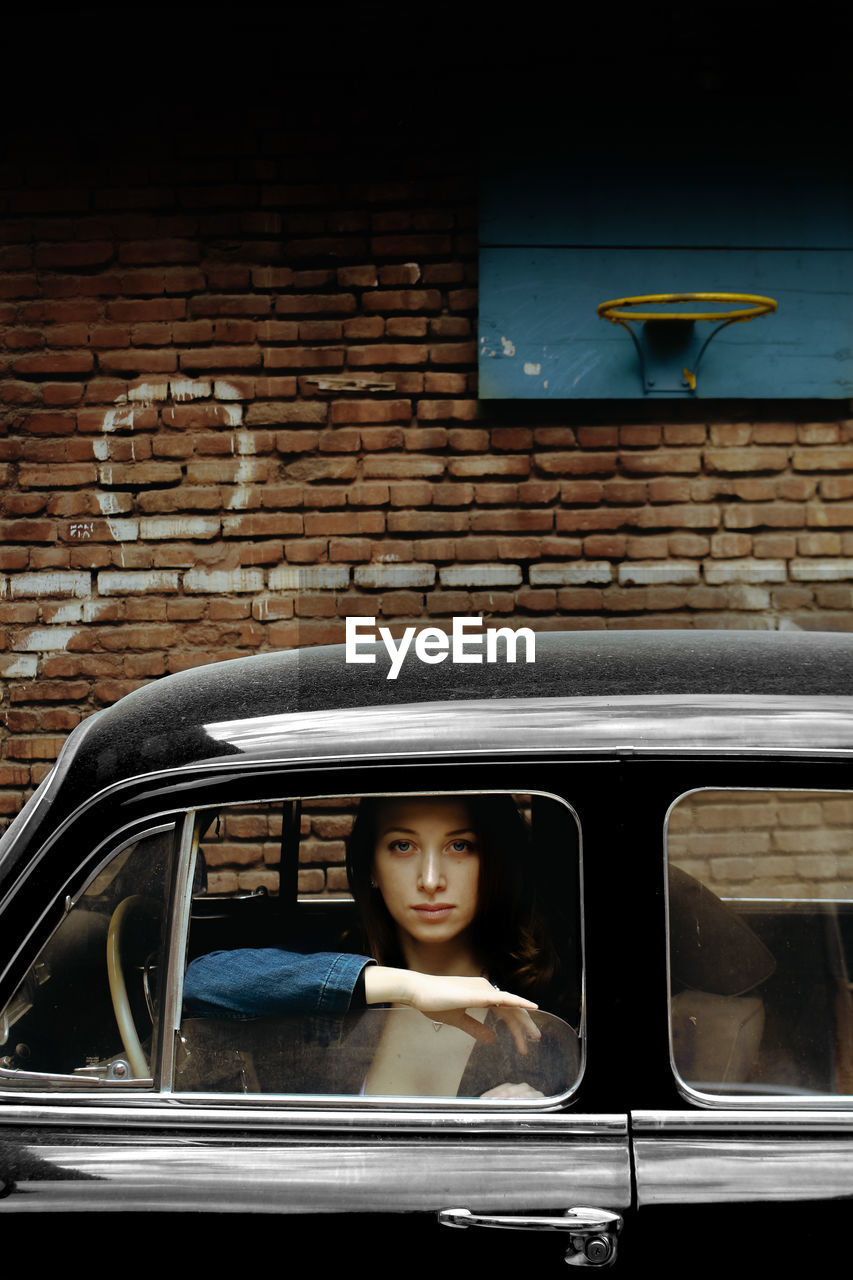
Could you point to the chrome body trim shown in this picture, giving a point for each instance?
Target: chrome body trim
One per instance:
(709, 724)
(381, 1163)
(689, 1157)
(758, 1169)
(298, 1177)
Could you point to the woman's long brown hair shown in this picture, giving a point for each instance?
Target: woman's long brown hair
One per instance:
(508, 934)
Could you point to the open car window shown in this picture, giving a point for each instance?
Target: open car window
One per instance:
(87, 1010)
(760, 936)
(291, 904)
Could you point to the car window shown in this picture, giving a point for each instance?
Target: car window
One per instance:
(760, 931)
(87, 1009)
(295, 900)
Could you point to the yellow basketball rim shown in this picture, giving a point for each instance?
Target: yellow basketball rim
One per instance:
(615, 312)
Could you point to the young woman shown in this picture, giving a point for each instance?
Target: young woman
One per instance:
(448, 926)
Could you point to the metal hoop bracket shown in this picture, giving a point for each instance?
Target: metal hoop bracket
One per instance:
(668, 345)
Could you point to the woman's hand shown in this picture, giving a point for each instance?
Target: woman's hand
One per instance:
(447, 999)
(512, 1091)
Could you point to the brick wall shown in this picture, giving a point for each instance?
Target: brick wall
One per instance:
(753, 844)
(239, 403)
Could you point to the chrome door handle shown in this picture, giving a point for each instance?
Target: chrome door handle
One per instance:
(592, 1232)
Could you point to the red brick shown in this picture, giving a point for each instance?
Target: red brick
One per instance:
(303, 357)
(272, 277)
(48, 362)
(575, 463)
(199, 359)
(138, 361)
(387, 300)
(158, 251)
(420, 438)
(752, 459)
(371, 411)
(125, 311)
(74, 255)
(663, 461)
(453, 353)
(441, 384)
(384, 354)
(410, 246)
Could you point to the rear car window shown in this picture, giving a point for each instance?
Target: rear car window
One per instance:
(760, 909)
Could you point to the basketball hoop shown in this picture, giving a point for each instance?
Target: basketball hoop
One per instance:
(669, 337)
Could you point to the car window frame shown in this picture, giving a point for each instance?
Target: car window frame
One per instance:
(172, 1005)
(734, 1101)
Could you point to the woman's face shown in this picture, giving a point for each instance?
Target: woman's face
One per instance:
(426, 864)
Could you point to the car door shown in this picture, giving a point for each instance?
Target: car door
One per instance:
(157, 1118)
(741, 1121)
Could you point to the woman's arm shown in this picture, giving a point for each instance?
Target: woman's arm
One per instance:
(263, 981)
(446, 999)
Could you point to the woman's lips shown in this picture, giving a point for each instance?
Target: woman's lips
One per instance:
(434, 910)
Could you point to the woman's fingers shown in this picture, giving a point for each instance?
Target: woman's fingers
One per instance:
(521, 1026)
(512, 1091)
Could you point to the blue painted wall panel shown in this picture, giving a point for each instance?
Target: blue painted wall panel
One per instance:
(540, 336)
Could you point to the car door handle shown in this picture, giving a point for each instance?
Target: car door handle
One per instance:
(592, 1232)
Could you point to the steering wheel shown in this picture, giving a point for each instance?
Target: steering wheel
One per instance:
(118, 988)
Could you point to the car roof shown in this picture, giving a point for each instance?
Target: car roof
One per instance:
(613, 691)
(167, 722)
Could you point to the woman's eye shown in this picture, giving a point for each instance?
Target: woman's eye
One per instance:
(401, 846)
(461, 846)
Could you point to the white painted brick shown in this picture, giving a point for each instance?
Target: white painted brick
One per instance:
(75, 611)
(815, 570)
(322, 577)
(189, 389)
(115, 418)
(395, 575)
(741, 595)
(683, 572)
(19, 667)
(124, 530)
(148, 392)
(113, 504)
(44, 638)
(224, 390)
(54, 582)
(481, 575)
(272, 608)
(200, 527)
(571, 575)
(721, 571)
(121, 582)
(223, 581)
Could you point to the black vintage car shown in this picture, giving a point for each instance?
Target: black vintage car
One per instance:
(686, 801)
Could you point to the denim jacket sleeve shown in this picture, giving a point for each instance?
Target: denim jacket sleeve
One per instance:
(255, 983)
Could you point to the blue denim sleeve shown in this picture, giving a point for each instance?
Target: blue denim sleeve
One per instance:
(254, 983)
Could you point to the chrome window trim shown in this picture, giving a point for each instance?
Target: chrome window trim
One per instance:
(176, 968)
(784, 1103)
(172, 1111)
(178, 936)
